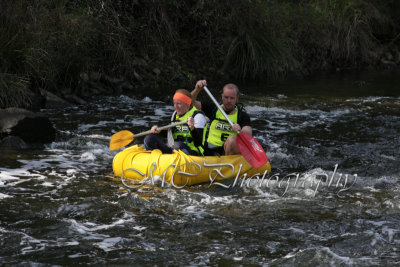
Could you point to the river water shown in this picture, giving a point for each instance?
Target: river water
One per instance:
(332, 198)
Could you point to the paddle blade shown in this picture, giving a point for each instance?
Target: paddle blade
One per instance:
(121, 139)
(251, 150)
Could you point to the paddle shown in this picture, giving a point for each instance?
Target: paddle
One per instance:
(123, 138)
(248, 146)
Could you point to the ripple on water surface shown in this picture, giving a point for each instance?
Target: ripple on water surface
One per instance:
(332, 197)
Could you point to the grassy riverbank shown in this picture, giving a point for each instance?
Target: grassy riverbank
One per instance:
(109, 47)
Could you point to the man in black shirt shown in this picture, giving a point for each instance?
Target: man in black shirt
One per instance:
(221, 136)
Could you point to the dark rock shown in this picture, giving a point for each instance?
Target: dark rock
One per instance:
(13, 142)
(124, 87)
(95, 89)
(95, 76)
(75, 99)
(84, 76)
(31, 127)
(38, 101)
(137, 76)
(9, 117)
(388, 63)
(157, 71)
(112, 80)
(53, 101)
(36, 129)
(388, 56)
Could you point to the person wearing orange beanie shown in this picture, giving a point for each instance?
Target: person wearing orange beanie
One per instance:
(189, 137)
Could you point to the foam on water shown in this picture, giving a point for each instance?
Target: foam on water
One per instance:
(3, 196)
(100, 124)
(6, 176)
(293, 223)
(59, 159)
(147, 99)
(109, 244)
(88, 227)
(368, 99)
(284, 119)
(125, 99)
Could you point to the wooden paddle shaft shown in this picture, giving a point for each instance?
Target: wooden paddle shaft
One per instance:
(161, 128)
(218, 105)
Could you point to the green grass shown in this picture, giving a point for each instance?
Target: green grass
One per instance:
(56, 45)
(14, 91)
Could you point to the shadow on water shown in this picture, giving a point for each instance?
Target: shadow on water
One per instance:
(349, 84)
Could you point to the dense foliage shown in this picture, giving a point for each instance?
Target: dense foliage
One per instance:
(109, 46)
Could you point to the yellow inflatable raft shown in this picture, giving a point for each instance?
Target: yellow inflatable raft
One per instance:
(179, 169)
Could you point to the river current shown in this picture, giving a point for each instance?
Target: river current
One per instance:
(332, 198)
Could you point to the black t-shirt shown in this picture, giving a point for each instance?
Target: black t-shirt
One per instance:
(210, 110)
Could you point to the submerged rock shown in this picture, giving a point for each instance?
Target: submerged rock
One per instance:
(13, 142)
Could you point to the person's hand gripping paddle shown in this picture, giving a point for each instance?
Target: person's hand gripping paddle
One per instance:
(123, 138)
(248, 146)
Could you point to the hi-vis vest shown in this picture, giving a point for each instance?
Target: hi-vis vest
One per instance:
(220, 128)
(182, 132)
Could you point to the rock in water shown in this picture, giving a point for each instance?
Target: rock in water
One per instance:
(30, 126)
(13, 142)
